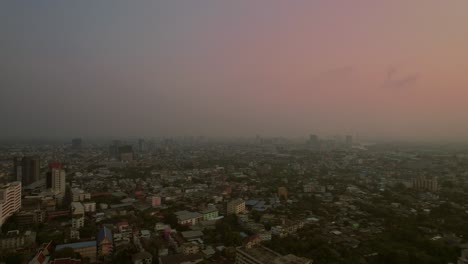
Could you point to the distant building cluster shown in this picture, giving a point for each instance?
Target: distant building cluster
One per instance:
(423, 183)
(186, 201)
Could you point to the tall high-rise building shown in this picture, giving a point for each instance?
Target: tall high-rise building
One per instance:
(141, 145)
(10, 200)
(30, 170)
(423, 183)
(76, 143)
(349, 140)
(52, 165)
(56, 178)
(58, 181)
(313, 138)
(314, 141)
(126, 153)
(114, 149)
(17, 169)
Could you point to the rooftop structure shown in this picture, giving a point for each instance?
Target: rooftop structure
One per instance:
(263, 255)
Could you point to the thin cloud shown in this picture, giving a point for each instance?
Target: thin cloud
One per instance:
(395, 81)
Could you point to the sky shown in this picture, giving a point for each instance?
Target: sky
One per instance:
(396, 69)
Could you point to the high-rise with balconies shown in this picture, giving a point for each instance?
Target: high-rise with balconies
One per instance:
(10, 200)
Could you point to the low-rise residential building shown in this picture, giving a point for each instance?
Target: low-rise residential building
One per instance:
(77, 211)
(15, 240)
(192, 235)
(145, 233)
(30, 218)
(188, 218)
(265, 235)
(211, 213)
(89, 207)
(190, 248)
(79, 195)
(236, 206)
(287, 228)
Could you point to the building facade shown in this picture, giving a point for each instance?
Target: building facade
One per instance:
(236, 206)
(10, 200)
(427, 184)
(188, 218)
(15, 240)
(57, 180)
(30, 170)
(77, 211)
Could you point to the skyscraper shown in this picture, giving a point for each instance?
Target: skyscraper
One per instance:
(17, 169)
(141, 145)
(114, 149)
(56, 178)
(126, 153)
(314, 141)
(30, 170)
(76, 143)
(349, 140)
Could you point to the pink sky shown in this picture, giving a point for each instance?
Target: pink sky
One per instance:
(380, 68)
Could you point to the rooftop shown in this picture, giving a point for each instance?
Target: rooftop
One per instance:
(192, 234)
(186, 215)
(263, 254)
(84, 244)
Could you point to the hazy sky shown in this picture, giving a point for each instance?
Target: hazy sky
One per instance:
(394, 68)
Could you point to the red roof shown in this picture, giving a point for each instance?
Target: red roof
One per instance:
(55, 165)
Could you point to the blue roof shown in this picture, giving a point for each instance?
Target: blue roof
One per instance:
(260, 204)
(84, 244)
(104, 233)
(251, 202)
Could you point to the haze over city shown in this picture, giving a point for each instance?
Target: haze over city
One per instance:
(234, 132)
(392, 69)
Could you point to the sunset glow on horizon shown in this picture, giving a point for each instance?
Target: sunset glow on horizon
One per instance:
(395, 69)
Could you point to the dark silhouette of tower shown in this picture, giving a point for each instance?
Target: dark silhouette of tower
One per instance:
(76, 143)
(30, 170)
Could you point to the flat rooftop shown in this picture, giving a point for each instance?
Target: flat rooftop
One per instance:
(260, 253)
(77, 245)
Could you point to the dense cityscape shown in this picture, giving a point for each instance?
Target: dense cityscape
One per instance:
(234, 132)
(259, 200)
